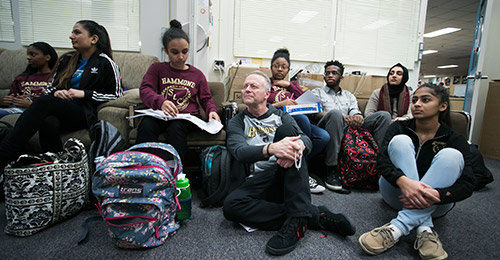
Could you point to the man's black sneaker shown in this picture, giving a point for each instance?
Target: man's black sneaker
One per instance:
(287, 237)
(337, 223)
(332, 181)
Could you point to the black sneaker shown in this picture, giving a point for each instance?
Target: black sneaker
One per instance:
(332, 181)
(336, 223)
(288, 236)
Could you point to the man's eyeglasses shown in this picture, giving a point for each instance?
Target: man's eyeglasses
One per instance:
(283, 67)
(334, 73)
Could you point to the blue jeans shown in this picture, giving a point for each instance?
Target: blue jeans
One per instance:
(319, 136)
(10, 110)
(445, 169)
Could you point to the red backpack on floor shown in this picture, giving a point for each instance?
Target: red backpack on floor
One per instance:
(358, 159)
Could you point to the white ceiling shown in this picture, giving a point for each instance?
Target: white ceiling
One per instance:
(453, 48)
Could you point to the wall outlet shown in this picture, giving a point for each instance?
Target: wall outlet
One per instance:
(244, 61)
(218, 65)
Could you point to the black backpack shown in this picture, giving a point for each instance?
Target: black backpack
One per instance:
(220, 175)
(482, 174)
(106, 140)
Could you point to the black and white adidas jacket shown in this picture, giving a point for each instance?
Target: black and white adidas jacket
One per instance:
(100, 81)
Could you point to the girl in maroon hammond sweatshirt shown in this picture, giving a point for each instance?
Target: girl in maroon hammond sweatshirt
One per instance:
(33, 82)
(173, 87)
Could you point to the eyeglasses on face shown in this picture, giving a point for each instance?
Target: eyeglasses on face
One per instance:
(277, 66)
(334, 73)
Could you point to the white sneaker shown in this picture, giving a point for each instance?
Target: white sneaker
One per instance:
(314, 186)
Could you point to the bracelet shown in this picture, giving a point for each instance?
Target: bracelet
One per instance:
(267, 150)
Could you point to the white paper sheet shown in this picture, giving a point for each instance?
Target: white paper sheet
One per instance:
(212, 127)
(307, 98)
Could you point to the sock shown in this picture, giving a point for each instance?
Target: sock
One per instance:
(396, 233)
(421, 229)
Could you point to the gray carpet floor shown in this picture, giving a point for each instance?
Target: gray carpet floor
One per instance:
(469, 231)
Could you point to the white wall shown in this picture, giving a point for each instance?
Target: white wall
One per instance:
(489, 58)
(154, 16)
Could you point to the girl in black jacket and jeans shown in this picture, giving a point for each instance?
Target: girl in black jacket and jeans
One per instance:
(425, 168)
(81, 81)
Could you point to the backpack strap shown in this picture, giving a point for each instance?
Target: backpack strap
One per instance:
(166, 147)
(85, 228)
(225, 184)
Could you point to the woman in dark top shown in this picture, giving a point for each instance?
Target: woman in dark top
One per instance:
(426, 168)
(393, 97)
(82, 80)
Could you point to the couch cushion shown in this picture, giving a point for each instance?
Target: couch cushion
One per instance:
(133, 66)
(12, 63)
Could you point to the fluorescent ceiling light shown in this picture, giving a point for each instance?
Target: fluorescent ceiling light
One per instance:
(441, 32)
(303, 16)
(447, 66)
(377, 24)
(429, 52)
(429, 76)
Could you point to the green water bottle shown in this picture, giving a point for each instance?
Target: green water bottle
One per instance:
(184, 197)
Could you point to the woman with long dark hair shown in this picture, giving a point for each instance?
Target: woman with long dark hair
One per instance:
(82, 80)
(426, 168)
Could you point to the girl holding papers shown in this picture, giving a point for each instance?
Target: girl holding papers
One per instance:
(173, 87)
(284, 93)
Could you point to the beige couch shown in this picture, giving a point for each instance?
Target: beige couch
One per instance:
(132, 66)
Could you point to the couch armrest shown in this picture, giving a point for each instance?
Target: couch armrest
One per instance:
(117, 117)
(129, 98)
(117, 110)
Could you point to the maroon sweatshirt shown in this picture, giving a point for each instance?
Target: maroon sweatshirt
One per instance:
(162, 82)
(278, 93)
(34, 86)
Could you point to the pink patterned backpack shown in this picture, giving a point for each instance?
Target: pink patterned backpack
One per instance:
(136, 194)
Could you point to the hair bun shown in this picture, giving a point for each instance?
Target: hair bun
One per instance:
(283, 50)
(175, 24)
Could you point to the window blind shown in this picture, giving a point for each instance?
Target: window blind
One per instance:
(52, 21)
(6, 22)
(263, 26)
(377, 33)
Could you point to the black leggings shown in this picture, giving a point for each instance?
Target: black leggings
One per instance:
(176, 132)
(48, 115)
